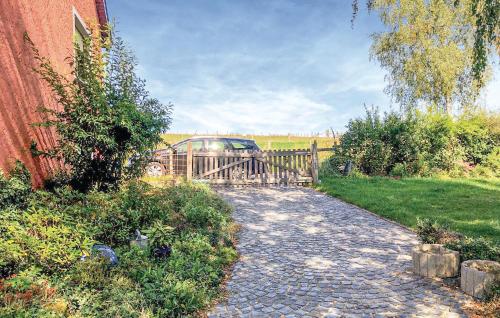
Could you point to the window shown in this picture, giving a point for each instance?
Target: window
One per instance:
(243, 145)
(79, 38)
(182, 147)
(216, 145)
(80, 31)
(196, 145)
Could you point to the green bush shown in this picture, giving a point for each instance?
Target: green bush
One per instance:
(400, 170)
(107, 122)
(41, 246)
(30, 294)
(473, 133)
(333, 165)
(419, 144)
(377, 144)
(42, 237)
(493, 293)
(430, 232)
(476, 248)
(398, 133)
(202, 216)
(15, 189)
(439, 147)
(362, 143)
(176, 298)
(160, 234)
(490, 166)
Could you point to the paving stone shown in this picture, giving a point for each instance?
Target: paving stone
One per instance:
(305, 254)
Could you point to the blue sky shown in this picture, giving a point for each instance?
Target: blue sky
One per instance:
(257, 66)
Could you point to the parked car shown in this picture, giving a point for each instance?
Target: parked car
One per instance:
(158, 165)
(215, 144)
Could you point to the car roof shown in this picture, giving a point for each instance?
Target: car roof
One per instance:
(211, 137)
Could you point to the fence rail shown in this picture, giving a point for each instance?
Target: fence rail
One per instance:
(296, 166)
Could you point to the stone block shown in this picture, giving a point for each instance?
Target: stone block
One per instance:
(433, 260)
(477, 276)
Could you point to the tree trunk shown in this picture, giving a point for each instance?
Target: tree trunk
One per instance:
(448, 106)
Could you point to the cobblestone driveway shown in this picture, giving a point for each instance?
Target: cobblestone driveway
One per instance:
(305, 254)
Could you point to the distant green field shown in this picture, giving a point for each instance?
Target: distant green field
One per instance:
(268, 142)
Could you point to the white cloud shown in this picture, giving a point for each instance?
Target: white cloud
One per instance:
(369, 79)
(258, 66)
(257, 111)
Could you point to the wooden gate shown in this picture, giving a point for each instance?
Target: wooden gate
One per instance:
(258, 168)
(271, 167)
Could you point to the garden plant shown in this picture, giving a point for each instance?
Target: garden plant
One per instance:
(49, 238)
(45, 235)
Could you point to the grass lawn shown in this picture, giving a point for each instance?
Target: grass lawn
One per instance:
(468, 206)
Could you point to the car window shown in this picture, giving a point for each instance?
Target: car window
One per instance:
(216, 145)
(196, 145)
(182, 147)
(243, 144)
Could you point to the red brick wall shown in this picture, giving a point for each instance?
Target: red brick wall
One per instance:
(49, 24)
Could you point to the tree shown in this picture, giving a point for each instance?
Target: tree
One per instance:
(487, 27)
(107, 121)
(428, 51)
(486, 15)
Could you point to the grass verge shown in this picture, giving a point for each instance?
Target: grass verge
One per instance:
(468, 206)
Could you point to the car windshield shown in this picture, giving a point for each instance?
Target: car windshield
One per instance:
(243, 144)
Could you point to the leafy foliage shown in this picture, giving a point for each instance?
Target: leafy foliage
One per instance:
(418, 143)
(15, 189)
(487, 27)
(475, 248)
(483, 22)
(428, 51)
(432, 232)
(35, 237)
(493, 294)
(474, 133)
(40, 246)
(106, 115)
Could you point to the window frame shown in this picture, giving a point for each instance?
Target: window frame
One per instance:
(79, 25)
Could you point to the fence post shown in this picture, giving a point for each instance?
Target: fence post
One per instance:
(314, 161)
(189, 162)
(171, 162)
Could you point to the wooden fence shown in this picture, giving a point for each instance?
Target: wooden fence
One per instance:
(270, 167)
